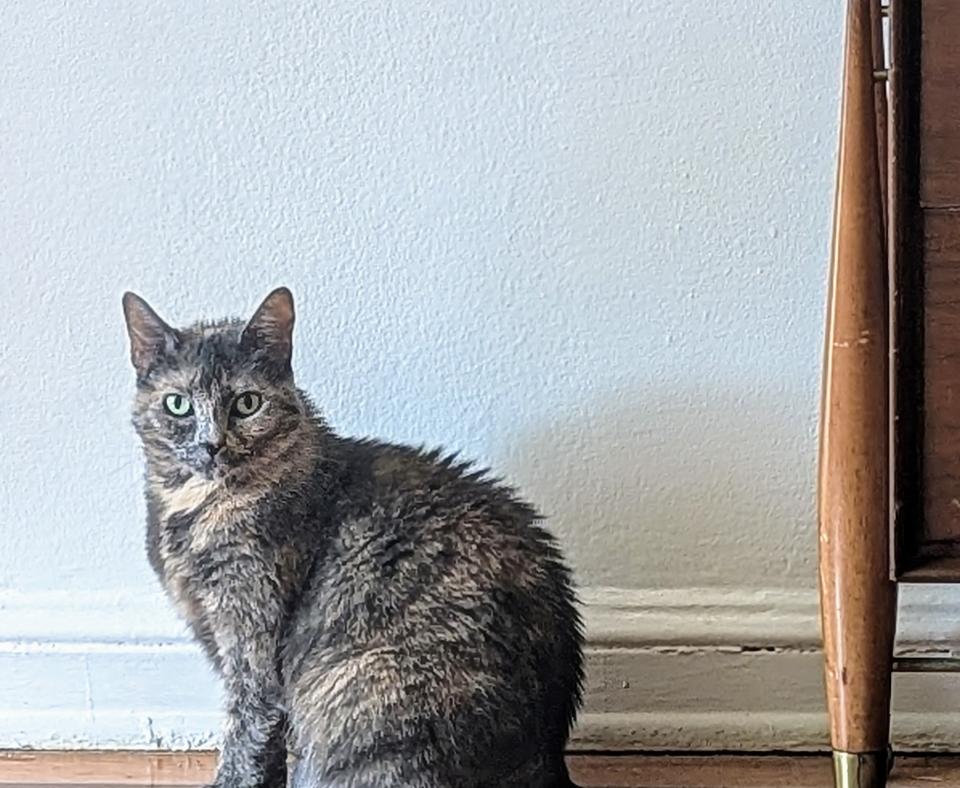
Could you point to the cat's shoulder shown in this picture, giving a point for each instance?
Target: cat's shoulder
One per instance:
(397, 466)
(392, 475)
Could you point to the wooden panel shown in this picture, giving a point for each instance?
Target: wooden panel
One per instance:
(941, 475)
(20, 767)
(750, 772)
(147, 770)
(905, 251)
(940, 107)
(933, 569)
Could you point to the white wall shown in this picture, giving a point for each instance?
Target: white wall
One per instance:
(581, 240)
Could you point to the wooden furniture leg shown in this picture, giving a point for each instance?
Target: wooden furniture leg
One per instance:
(858, 597)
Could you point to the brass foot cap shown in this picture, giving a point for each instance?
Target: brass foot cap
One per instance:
(861, 769)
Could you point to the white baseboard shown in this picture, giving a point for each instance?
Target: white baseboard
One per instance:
(730, 669)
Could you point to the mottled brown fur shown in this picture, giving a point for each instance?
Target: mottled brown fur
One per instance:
(380, 615)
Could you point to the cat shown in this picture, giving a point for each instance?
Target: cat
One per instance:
(381, 616)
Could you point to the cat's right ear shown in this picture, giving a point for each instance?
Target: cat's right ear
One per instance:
(270, 330)
(150, 337)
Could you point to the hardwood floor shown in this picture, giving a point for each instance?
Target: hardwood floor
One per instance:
(36, 768)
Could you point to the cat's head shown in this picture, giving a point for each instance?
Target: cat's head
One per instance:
(217, 401)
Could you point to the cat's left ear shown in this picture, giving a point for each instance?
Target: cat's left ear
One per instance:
(270, 330)
(150, 337)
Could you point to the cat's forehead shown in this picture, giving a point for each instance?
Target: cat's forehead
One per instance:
(211, 343)
(208, 356)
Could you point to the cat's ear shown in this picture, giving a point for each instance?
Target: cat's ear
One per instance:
(270, 330)
(150, 337)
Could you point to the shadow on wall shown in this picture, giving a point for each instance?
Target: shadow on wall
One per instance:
(682, 489)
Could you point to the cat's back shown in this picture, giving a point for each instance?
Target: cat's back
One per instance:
(405, 508)
(441, 612)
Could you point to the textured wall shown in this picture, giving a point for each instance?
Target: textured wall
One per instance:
(581, 241)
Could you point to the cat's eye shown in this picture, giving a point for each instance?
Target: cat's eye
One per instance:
(177, 405)
(247, 404)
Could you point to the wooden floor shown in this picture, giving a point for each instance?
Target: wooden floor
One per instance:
(26, 768)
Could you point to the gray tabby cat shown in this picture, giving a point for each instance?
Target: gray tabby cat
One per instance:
(380, 615)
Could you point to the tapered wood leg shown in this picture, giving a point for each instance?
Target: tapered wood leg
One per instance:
(858, 598)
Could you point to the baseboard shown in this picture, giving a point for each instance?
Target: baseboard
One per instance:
(929, 617)
(700, 669)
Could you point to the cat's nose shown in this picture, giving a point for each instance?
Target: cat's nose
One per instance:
(212, 449)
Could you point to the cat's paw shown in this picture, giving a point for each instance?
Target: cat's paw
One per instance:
(276, 781)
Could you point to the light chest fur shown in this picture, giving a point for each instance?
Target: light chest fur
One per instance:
(205, 547)
(215, 510)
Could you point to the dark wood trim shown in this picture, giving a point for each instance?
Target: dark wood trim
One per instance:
(930, 567)
(905, 258)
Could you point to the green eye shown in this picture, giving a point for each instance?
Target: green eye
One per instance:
(247, 404)
(177, 405)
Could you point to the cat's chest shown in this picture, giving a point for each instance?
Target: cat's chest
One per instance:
(207, 537)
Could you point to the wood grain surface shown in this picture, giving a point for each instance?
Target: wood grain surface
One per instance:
(26, 768)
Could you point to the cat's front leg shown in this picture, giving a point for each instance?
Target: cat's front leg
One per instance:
(254, 751)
